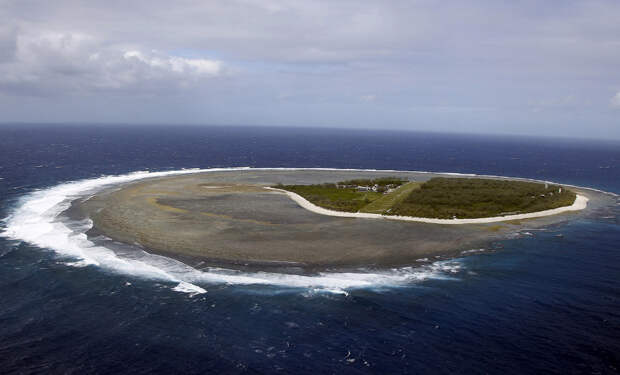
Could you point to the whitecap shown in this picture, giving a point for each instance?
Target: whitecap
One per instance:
(472, 251)
(189, 288)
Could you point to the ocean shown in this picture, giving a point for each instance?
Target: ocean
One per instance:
(544, 301)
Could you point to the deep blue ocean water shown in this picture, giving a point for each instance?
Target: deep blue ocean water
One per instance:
(539, 304)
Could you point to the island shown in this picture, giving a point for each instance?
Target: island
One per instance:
(310, 219)
(440, 197)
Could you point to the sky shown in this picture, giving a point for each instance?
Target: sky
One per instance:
(512, 67)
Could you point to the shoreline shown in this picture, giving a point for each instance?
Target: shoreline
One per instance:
(579, 204)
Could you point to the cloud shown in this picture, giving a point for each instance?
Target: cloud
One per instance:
(321, 61)
(8, 44)
(176, 64)
(615, 101)
(54, 62)
(561, 103)
(368, 98)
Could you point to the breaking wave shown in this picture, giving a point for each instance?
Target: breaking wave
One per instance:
(35, 220)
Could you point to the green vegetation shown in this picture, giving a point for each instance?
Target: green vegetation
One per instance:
(344, 195)
(444, 198)
(389, 200)
(332, 197)
(461, 198)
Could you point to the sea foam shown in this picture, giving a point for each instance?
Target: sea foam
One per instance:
(35, 220)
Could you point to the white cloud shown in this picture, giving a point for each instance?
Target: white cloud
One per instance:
(176, 64)
(615, 100)
(55, 61)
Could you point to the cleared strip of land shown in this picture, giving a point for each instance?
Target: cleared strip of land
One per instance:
(389, 200)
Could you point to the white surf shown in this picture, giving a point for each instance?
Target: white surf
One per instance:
(35, 221)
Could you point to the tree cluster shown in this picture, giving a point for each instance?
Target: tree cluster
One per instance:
(448, 198)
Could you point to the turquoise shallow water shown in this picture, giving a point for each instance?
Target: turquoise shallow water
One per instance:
(544, 301)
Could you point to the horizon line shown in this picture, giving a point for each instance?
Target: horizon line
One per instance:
(311, 127)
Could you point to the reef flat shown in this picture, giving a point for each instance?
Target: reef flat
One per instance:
(230, 217)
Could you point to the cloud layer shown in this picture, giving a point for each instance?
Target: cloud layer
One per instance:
(615, 101)
(392, 63)
(60, 63)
